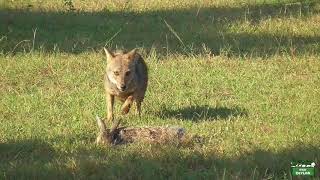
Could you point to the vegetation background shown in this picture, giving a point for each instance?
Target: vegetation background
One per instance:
(244, 75)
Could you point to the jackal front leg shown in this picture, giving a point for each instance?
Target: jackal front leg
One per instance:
(110, 103)
(127, 105)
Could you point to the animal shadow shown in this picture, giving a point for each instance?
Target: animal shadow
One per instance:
(198, 113)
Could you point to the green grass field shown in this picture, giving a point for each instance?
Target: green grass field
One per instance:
(244, 75)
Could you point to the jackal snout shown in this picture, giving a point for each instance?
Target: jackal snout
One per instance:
(122, 87)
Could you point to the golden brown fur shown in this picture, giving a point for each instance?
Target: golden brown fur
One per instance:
(126, 79)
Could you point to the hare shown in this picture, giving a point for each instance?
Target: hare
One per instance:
(124, 135)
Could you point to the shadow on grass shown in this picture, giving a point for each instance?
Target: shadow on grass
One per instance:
(29, 159)
(35, 159)
(203, 31)
(198, 113)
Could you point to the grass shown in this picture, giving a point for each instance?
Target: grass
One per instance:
(245, 76)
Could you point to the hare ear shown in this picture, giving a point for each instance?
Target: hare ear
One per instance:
(108, 54)
(131, 55)
(115, 125)
(101, 124)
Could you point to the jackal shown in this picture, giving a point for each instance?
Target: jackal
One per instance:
(126, 79)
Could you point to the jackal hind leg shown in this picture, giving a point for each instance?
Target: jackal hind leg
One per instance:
(138, 110)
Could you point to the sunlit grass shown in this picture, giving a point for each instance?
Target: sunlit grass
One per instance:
(244, 80)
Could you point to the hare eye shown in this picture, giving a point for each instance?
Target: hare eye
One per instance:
(128, 73)
(116, 73)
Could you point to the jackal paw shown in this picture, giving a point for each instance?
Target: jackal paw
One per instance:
(125, 110)
(137, 113)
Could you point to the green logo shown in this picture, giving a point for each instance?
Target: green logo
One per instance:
(303, 168)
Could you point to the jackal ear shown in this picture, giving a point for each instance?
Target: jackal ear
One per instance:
(108, 54)
(131, 55)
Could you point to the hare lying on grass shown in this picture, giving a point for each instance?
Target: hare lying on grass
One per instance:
(124, 135)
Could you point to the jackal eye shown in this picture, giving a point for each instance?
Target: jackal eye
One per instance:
(128, 73)
(116, 73)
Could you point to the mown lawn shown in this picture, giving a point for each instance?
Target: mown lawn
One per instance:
(245, 76)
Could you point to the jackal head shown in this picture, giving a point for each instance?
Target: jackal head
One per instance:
(120, 68)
